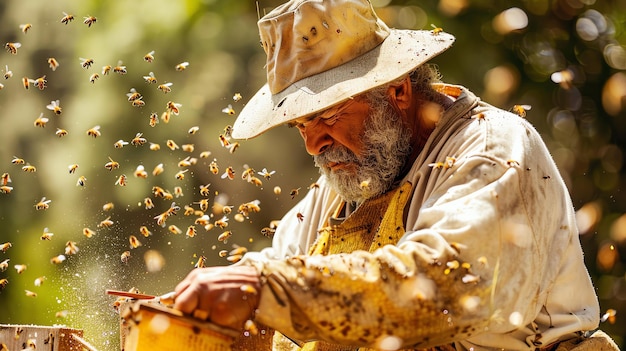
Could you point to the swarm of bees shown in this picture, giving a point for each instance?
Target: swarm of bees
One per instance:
(202, 212)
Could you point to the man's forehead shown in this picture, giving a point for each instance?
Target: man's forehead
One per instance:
(329, 112)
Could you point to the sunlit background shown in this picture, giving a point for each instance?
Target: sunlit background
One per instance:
(565, 59)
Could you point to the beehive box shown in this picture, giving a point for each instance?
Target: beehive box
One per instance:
(20, 337)
(149, 326)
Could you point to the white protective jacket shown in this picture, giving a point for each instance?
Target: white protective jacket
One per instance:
(499, 204)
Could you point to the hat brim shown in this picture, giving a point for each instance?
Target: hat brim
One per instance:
(400, 53)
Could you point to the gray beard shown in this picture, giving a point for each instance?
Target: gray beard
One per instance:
(387, 145)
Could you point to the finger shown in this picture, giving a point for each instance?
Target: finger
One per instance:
(187, 301)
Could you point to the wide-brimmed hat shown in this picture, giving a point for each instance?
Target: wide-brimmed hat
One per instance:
(323, 52)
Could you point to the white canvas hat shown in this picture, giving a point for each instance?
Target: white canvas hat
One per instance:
(323, 52)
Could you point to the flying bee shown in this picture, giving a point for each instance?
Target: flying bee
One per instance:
(224, 236)
(277, 190)
(106, 223)
(186, 162)
(171, 144)
(155, 147)
(138, 140)
(134, 242)
(133, 95)
(166, 115)
(173, 107)
(81, 181)
(182, 66)
(61, 314)
(191, 231)
(125, 257)
(138, 103)
(188, 210)
(39, 281)
(222, 223)
(20, 268)
(229, 110)
(88, 232)
(111, 165)
(43, 204)
(256, 181)
(213, 167)
(145, 231)
(17, 161)
(93, 78)
(149, 57)
(29, 168)
(5, 179)
(5, 246)
(203, 220)
(108, 206)
(201, 263)
(148, 204)
(193, 130)
(140, 172)
(180, 175)
(178, 191)
(53, 63)
(4, 265)
(204, 190)
(166, 87)
(294, 192)
(26, 82)
(158, 169)
(154, 119)
(67, 18)
(266, 174)
(72, 168)
(300, 216)
(120, 144)
(436, 30)
(94, 132)
(25, 27)
(188, 147)
(174, 229)
(31, 294)
(40, 82)
(237, 97)
(158, 191)
(520, 110)
(268, 232)
(5, 189)
(205, 154)
(223, 140)
(247, 173)
(71, 248)
(232, 147)
(7, 72)
(203, 204)
(150, 78)
(121, 180)
(12, 47)
(60, 132)
(229, 173)
(106, 70)
(86, 63)
(3, 283)
(55, 107)
(89, 20)
(120, 69)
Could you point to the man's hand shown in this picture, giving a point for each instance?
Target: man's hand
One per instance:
(228, 294)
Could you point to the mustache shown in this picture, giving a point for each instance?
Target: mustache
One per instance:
(336, 154)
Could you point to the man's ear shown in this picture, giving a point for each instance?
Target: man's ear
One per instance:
(401, 94)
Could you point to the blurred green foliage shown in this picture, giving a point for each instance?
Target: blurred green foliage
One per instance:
(506, 56)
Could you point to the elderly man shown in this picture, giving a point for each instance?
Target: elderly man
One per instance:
(439, 221)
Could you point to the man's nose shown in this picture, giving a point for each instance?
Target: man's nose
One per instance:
(316, 140)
